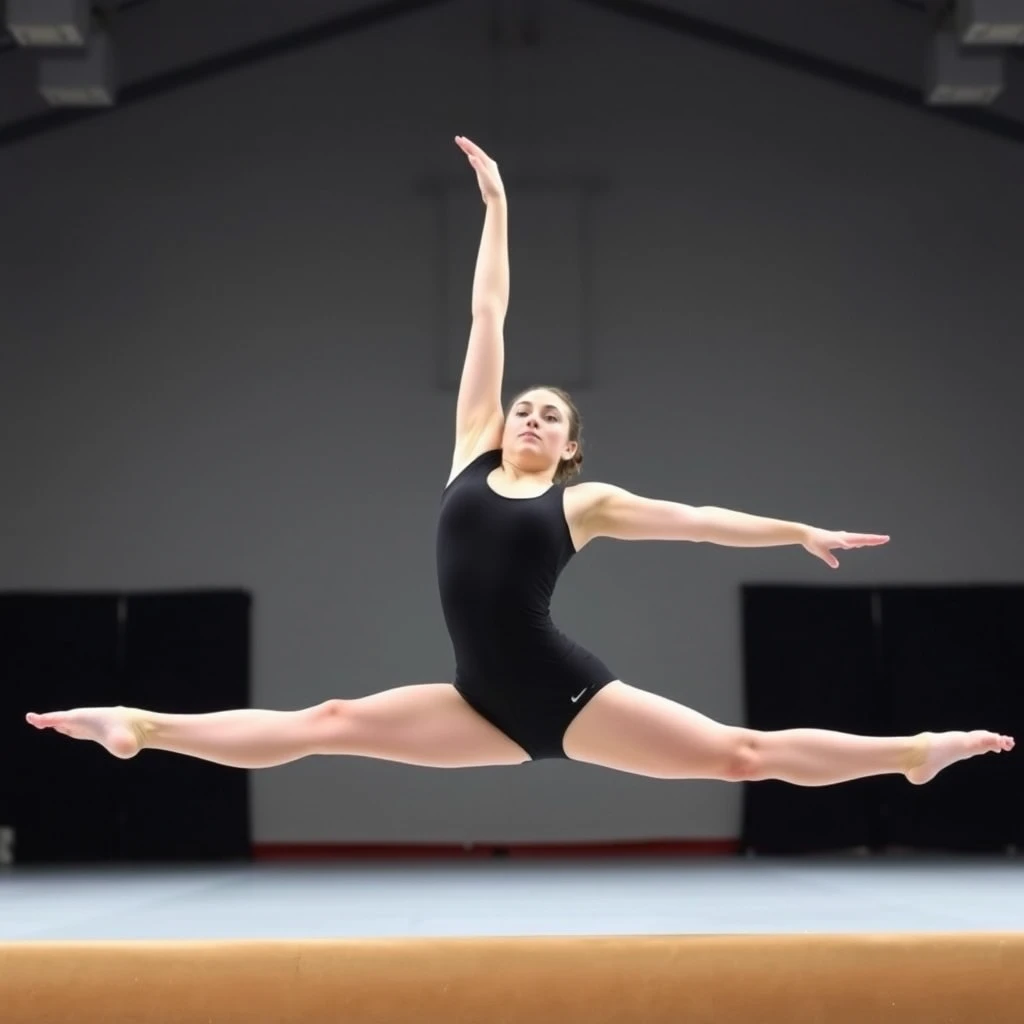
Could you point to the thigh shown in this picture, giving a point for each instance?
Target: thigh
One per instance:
(635, 731)
(427, 724)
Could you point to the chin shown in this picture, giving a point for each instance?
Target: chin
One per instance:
(532, 455)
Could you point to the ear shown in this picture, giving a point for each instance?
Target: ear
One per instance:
(569, 452)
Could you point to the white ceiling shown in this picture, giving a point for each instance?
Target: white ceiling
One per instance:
(887, 38)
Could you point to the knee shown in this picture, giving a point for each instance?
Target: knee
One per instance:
(333, 710)
(332, 723)
(741, 755)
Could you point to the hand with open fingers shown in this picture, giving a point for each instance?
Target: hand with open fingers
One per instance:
(487, 175)
(822, 543)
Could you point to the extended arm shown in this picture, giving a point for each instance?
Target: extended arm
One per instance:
(615, 512)
(478, 411)
(611, 511)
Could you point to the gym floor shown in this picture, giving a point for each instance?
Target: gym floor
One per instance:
(514, 898)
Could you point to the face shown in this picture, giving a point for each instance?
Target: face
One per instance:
(536, 434)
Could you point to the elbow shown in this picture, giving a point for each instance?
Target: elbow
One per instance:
(697, 525)
(489, 309)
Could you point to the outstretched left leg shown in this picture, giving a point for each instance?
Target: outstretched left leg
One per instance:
(634, 731)
(428, 724)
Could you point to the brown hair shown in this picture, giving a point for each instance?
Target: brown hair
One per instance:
(567, 468)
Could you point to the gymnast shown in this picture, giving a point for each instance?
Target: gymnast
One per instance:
(509, 522)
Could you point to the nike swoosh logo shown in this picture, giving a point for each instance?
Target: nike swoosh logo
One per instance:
(579, 695)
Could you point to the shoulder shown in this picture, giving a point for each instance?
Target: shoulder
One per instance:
(462, 463)
(472, 443)
(585, 505)
(590, 494)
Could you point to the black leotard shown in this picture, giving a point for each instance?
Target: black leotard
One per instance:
(498, 560)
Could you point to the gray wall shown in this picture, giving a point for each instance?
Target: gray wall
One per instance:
(219, 367)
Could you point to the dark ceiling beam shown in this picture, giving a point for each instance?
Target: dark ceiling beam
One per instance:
(220, 64)
(637, 10)
(808, 63)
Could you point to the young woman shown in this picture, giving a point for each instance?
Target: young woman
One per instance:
(522, 690)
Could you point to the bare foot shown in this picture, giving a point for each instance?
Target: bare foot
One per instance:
(119, 730)
(941, 749)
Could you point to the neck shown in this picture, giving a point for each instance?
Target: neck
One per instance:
(516, 472)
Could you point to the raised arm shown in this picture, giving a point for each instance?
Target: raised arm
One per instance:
(478, 414)
(605, 510)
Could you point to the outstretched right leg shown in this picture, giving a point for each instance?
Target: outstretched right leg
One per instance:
(427, 724)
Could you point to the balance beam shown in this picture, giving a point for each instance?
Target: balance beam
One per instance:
(719, 979)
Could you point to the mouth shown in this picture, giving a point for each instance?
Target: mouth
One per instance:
(529, 434)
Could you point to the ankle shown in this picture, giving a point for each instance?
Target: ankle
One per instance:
(916, 752)
(142, 725)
